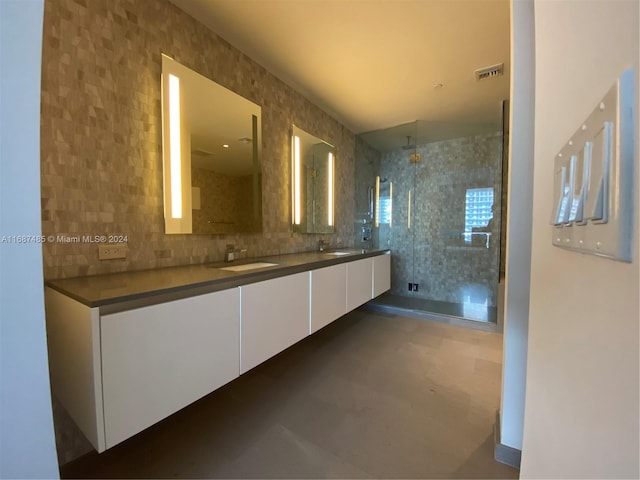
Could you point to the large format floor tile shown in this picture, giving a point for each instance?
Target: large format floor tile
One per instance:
(372, 395)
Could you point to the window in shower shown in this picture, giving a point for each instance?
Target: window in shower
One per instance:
(385, 209)
(478, 210)
(385, 202)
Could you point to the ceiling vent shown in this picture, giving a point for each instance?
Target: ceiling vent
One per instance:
(489, 72)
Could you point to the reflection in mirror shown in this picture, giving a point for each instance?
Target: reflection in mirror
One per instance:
(313, 172)
(219, 169)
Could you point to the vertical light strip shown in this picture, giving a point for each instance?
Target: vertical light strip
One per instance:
(330, 190)
(377, 216)
(293, 181)
(175, 146)
(390, 202)
(296, 180)
(409, 211)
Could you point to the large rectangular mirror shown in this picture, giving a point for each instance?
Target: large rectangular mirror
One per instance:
(312, 181)
(211, 148)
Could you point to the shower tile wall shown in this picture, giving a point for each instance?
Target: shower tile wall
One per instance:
(432, 252)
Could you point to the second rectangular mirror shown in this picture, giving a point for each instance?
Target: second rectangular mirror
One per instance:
(312, 183)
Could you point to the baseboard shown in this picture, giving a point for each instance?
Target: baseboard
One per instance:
(503, 453)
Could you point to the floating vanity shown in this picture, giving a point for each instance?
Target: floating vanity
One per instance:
(129, 349)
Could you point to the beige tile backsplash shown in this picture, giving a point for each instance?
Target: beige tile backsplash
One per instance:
(101, 139)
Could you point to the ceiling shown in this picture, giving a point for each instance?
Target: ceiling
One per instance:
(373, 64)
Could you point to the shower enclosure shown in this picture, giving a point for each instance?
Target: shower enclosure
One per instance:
(433, 196)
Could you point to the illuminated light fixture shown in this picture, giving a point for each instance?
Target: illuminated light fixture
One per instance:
(409, 211)
(330, 190)
(296, 180)
(225, 146)
(390, 202)
(377, 217)
(175, 146)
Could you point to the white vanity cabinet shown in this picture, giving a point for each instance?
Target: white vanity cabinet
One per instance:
(381, 274)
(359, 281)
(328, 295)
(275, 315)
(117, 374)
(159, 359)
(121, 365)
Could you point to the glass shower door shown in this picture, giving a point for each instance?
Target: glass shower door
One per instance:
(396, 204)
(437, 210)
(457, 225)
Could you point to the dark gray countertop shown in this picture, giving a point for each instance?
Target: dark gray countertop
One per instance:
(118, 291)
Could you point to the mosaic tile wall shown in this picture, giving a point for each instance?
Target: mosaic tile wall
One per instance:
(101, 137)
(431, 251)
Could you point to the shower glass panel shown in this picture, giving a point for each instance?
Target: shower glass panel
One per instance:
(437, 208)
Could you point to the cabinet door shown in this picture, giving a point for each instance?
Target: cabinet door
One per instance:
(359, 282)
(328, 295)
(381, 274)
(158, 359)
(275, 315)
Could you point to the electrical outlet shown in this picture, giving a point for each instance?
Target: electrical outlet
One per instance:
(109, 252)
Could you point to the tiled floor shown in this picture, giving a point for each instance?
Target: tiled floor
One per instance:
(370, 396)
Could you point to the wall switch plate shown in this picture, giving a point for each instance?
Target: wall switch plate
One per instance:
(594, 176)
(110, 252)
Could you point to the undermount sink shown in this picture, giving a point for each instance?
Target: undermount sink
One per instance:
(248, 266)
(337, 253)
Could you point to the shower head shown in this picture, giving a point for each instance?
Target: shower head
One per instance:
(409, 145)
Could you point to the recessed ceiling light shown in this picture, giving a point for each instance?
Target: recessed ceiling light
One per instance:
(225, 146)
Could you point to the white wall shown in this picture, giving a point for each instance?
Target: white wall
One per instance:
(27, 445)
(581, 407)
(520, 199)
